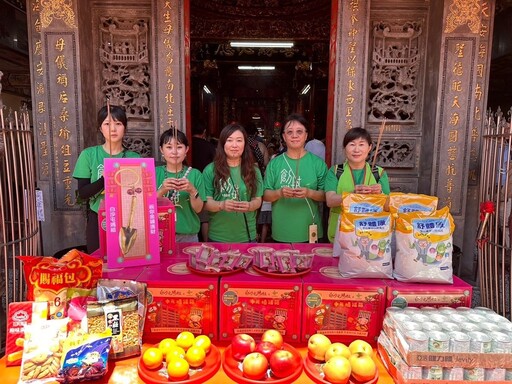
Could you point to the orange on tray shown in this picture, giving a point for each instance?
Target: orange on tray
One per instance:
(196, 375)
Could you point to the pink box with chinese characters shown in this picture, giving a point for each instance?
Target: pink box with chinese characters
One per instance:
(131, 213)
(251, 303)
(342, 309)
(179, 300)
(322, 255)
(401, 294)
(166, 228)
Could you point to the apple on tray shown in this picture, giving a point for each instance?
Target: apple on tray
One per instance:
(363, 367)
(266, 348)
(337, 349)
(284, 363)
(255, 366)
(360, 346)
(318, 344)
(337, 370)
(241, 345)
(273, 336)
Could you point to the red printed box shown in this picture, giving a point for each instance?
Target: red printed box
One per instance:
(342, 309)
(401, 294)
(252, 303)
(323, 256)
(179, 300)
(166, 228)
(18, 315)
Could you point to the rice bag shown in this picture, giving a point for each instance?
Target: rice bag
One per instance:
(365, 245)
(400, 202)
(424, 247)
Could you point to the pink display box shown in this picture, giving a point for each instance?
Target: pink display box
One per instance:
(322, 255)
(252, 303)
(128, 273)
(342, 309)
(401, 294)
(179, 301)
(166, 228)
(131, 212)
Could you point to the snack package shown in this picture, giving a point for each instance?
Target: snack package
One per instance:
(424, 247)
(19, 315)
(48, 278)
(363, 203)
(121, 316)
(365, 241)
(42, 351)
(77, 306)
(85, 357)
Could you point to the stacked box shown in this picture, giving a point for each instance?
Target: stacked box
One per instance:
(342, 309)
(179, 300)
(323, 255)
(252, 303)
(401, 294)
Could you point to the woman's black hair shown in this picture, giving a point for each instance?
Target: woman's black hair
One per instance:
(357, 133)
(295, 117)
(167, 136)
(117, 113)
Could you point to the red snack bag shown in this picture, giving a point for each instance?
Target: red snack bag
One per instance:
(49, 278)
(19, 315)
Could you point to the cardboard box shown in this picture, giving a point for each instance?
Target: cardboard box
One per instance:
(342, 309)
(252, 303)
(20, 314)
(166, 229)
(179, 300)
(323, 256)
(132, 237)
(400, 294)
(401, 372)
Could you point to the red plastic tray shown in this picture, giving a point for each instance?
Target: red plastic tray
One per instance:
(279, 274)
(232, 366)
(196, 375)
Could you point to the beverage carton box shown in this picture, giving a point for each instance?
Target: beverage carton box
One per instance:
(323, 254)
(342, 309)
(179, 300)
(166, 228)
(20, 314)
(402, 294)
(251, 303)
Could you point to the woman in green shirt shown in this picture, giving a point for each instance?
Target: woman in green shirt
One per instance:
(234, 187)
(89, 167)
(354, 175)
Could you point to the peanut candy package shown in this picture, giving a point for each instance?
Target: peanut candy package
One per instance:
(121, 316)
(42, 351)
(49, 278)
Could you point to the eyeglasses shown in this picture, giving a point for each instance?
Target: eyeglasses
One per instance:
(298, 132)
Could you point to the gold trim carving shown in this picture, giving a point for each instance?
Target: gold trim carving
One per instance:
(464, 12)
(57, 9)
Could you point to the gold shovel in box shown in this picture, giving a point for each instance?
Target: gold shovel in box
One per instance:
(128, 235)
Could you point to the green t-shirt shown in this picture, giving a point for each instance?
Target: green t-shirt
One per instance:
(187, 220)
(291, 217)
(229, 227)
(89, 165)
(346, 183)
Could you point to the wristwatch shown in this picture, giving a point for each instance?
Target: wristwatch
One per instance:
(196, 195)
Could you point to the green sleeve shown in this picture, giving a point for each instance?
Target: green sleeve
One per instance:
(331, 181)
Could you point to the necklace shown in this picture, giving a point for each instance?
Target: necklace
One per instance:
(175, 196)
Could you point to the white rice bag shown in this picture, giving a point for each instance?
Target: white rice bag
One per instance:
(365, 245)
(424, 246)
